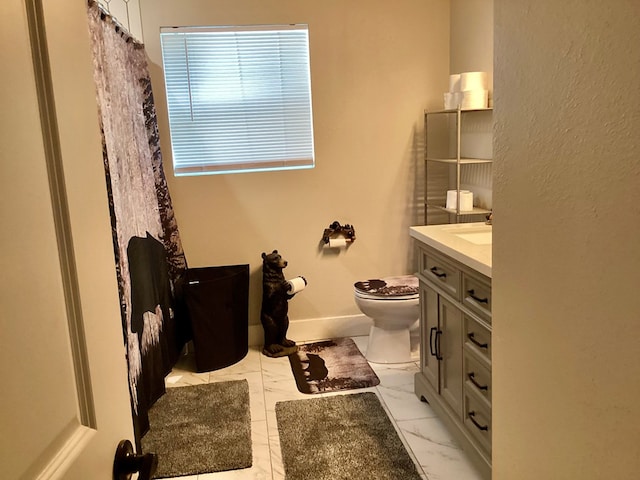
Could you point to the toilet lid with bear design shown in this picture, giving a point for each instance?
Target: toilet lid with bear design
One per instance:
(392, 288)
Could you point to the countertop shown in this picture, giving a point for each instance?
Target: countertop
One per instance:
(468, 243)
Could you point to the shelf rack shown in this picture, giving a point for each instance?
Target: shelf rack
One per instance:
(456, 160)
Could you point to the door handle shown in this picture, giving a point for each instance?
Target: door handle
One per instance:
(431, 344)
(126, 463)
(438, 337)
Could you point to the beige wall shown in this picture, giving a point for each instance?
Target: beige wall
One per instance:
(472, 37)
(566, 369)
(374, 70)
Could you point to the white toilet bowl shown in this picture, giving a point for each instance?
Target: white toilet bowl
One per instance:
(394, 306)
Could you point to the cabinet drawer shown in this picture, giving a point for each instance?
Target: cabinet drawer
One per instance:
(477, 378)
(440, 272)
(476, 295)
(477, 338)
(477, 420)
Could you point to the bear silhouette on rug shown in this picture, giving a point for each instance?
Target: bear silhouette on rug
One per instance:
(274, 316)
(316, 368)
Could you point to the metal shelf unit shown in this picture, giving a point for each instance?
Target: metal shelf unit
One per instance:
(456, 160)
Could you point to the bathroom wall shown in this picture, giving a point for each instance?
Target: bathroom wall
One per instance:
(472, 37)
(374, 70)
(566, 262)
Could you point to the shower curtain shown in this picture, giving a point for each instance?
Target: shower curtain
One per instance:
(150, 262)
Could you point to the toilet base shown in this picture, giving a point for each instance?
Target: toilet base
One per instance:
(389, 346)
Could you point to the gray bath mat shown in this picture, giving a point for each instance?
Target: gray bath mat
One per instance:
(200, 429)
(331, 365)
(341, 437)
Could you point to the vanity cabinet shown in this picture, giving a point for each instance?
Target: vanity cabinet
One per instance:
(455, 371)
(444, 161)
(442, 366)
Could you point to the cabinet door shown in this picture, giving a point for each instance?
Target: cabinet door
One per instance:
(430, 335)
(451, 369)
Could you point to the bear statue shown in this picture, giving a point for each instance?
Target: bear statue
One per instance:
(274, 314)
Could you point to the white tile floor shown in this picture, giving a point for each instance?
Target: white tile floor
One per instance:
(271, 380)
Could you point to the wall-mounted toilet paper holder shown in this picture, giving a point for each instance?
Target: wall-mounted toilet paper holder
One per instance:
(336, 230)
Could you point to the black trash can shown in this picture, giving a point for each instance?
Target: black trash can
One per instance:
(217, 300)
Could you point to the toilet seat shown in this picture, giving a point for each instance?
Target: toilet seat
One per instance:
(403, 287)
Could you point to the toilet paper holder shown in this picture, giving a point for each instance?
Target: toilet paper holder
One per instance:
(336, 230)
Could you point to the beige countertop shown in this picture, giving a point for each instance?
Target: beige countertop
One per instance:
(469, 243)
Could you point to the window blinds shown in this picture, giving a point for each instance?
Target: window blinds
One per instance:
(239, 98)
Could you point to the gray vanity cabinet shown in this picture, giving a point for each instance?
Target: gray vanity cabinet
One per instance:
(455, 373)
(429, 324)
(442, 364)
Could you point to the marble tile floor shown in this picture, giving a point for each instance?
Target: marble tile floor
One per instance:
(435, 453)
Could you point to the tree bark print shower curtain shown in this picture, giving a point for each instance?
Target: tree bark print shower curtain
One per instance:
(150, 262)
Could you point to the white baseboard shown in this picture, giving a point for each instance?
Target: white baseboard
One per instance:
(318, 329)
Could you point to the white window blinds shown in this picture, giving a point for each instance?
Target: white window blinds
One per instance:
(239, 98)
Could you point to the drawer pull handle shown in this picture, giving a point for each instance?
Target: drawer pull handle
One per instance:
(434, 270)
(477, 299)
(472, 415)
(472, 377)
(472, 337)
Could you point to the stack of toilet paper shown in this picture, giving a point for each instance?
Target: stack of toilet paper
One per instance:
(466, 200)
(467, 90)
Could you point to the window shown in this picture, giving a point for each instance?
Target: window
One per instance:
(239, 98)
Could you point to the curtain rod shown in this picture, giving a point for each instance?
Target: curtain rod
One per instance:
(119, 28)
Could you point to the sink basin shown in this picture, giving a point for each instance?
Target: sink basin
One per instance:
(478, 234)
(477, 238)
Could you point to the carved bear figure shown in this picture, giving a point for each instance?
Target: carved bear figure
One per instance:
(275, 309)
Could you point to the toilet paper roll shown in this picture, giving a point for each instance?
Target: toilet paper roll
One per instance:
(337, 242)
(448, 101)
(296, 285)
(466, 201)
(452, 100)
(474, 99)
(473, 81)
(454, 83)
(457, 99)
(452, 198)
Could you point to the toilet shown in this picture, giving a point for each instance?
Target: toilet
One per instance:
(394, 306)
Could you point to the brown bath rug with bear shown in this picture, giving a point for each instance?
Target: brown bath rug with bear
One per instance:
(331, 365)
